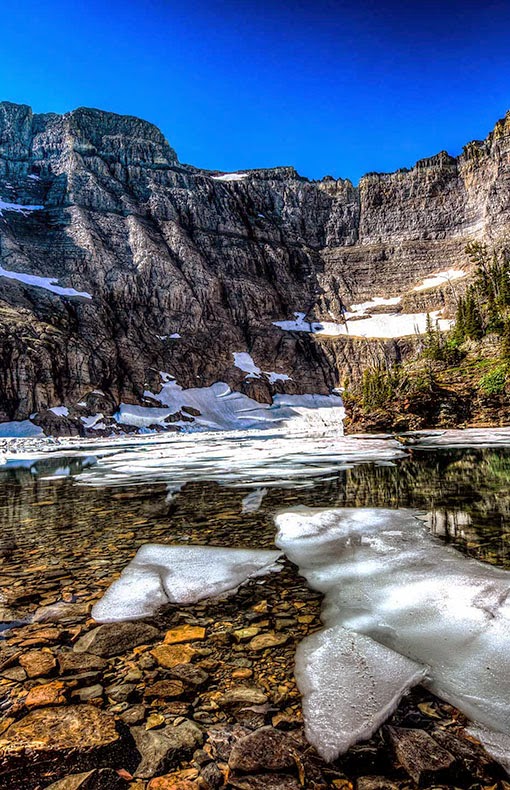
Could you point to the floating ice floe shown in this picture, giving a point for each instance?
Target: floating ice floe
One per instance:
(440, 278)
(236, 459)
(47, 283)
(230, 177)
(383, 325)
(386, 578)
(160, 574)
(350, 685)
(459, 437)
(17, 208)
(244, 362)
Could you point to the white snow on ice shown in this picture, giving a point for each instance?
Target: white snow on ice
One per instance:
(385, 577)
(161, 574)
(461, 437)
(237, 459)
(47, 283)
(440, 278)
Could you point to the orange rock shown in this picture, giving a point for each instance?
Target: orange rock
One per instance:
(169, 656)
(184, 633)
(38, 663)
(180, 780)
(46, 694)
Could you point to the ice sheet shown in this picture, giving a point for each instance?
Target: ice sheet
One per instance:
(236, 459)
(350, 685)
(386, 577)
(161, 574)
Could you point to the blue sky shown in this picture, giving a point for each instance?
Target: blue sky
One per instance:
(338, 88)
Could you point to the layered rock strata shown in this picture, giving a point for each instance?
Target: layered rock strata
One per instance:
(117, 261)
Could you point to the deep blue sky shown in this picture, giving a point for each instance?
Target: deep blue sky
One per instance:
(329, 87)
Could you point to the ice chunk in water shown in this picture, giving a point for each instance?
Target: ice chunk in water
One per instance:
(252, 502)
(350, 685)
(161, 574)
(386, 577)
(495, 743)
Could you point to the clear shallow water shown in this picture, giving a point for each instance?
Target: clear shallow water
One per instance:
(61, 540)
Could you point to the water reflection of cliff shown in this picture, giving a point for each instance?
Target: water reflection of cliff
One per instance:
(58, 538)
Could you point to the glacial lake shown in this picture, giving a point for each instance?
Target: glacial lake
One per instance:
(64, 534)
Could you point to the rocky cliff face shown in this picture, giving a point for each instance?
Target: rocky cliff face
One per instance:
(147, 248)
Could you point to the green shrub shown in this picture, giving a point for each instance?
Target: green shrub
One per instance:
(494, 383)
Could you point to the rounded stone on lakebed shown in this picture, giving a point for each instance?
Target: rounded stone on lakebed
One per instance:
(112, 639)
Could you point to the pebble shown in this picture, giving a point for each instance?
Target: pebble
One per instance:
(184, 633)
(263, 641)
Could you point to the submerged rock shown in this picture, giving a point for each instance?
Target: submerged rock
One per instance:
(112, 640)
(265, 749)
(59, 739)
(162, 749)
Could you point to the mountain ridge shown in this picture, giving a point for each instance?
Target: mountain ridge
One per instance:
(164, 248)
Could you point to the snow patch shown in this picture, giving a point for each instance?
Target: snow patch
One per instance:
(384, 325)
(91, 420)
(19, 209)
(230, 177)
(244, 362)
(60, 411)
(47, 283)
(440, 278)
(222, 409)
(19, 429)
(376, 301)
(161, 574)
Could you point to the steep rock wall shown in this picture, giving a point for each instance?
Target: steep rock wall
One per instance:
(165, 248)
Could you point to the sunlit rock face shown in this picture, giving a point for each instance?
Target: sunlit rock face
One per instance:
(137, 263)
(392, 591)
